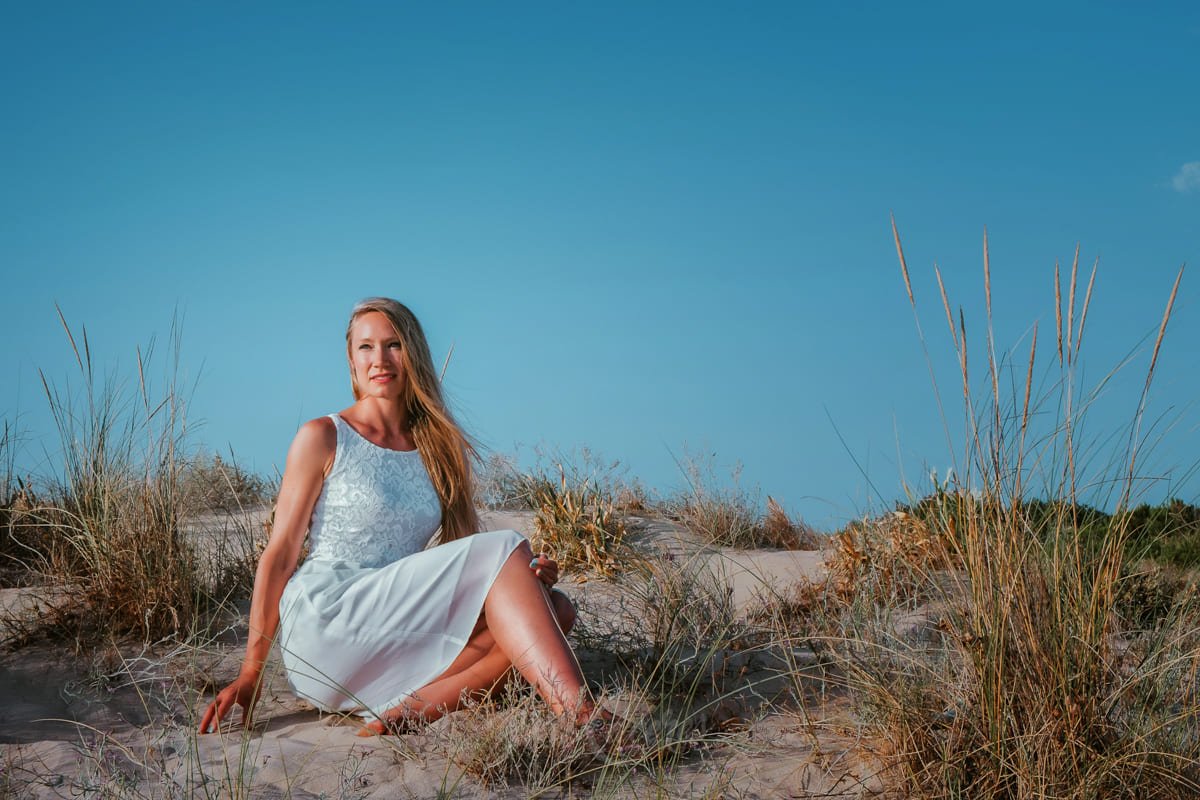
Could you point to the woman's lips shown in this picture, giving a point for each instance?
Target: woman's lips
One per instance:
(382, 378)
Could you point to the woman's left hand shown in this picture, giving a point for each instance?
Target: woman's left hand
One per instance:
(545, 568)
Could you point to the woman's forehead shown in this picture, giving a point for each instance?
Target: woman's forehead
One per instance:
(373, 325)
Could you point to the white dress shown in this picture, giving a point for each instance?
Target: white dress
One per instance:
(371, 616)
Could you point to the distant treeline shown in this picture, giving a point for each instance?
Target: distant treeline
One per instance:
(1167, 533)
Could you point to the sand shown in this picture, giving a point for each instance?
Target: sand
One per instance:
(70, 725)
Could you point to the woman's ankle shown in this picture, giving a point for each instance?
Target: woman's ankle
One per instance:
(589, 711)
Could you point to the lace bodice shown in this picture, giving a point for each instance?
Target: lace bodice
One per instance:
(377, 505)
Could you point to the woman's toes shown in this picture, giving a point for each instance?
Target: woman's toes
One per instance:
(372, 728)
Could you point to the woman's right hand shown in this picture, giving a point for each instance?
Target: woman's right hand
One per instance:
(242, 692)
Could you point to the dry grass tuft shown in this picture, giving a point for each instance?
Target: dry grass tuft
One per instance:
(684, 652)
(503, 485)
(111, 537)
(727, 516)
(212, 484)
(581, 506)
(514, 739)
(1029, 684)
(778, 527)
(805, 611)
(897, 553)
(578, 524)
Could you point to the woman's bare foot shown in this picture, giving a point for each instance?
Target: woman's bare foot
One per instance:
(390, 727)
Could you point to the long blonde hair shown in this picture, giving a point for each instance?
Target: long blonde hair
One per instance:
(446, 450)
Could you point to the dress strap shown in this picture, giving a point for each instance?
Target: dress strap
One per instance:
(339, 425)
(341, 441)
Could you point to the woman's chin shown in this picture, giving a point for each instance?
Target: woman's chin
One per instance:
(378, 393)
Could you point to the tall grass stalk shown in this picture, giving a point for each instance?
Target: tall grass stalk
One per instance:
(8, 492)
(1037, 689)
(8, 450)
(111, 533)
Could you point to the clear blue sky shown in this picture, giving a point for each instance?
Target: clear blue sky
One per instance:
(642, 225)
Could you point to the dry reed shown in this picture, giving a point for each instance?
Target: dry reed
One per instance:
(1028, 686)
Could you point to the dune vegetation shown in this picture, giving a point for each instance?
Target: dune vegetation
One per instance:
(989, 636)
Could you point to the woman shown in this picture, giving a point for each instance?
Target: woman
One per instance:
(373, 623)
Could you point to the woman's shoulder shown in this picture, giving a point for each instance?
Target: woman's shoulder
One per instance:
(319, 427)
(315, 443)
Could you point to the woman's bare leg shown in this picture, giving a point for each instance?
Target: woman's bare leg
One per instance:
(521, 619)
(481, 667)
(487, 662)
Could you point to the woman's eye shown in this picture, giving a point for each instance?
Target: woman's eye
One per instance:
(395, 345)
(364, 347)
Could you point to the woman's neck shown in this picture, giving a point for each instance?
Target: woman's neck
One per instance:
(384, 416)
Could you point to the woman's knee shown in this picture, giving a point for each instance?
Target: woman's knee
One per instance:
(564, 610)
(524, 550)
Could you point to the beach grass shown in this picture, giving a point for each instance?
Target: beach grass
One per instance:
(108, 531)
(580, 506)
(1027, 679)
(726, 514)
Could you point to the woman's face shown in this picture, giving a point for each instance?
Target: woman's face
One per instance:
(376, 356)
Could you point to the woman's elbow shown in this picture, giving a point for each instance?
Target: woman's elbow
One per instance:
(277, 562)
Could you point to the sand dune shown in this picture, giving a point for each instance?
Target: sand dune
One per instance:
(69, 726)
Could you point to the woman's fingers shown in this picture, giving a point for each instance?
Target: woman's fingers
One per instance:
(212, 716)
(223, 704)
(206, 719)
(545, 568)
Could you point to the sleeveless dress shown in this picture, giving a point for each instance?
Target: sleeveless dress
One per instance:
(371, 616)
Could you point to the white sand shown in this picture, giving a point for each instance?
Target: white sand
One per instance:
(134, 725)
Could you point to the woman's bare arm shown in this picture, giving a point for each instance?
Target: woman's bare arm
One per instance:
(308, 461)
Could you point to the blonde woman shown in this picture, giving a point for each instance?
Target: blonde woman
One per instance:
(373, 622)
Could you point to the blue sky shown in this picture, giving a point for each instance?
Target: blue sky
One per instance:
(644, 227)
